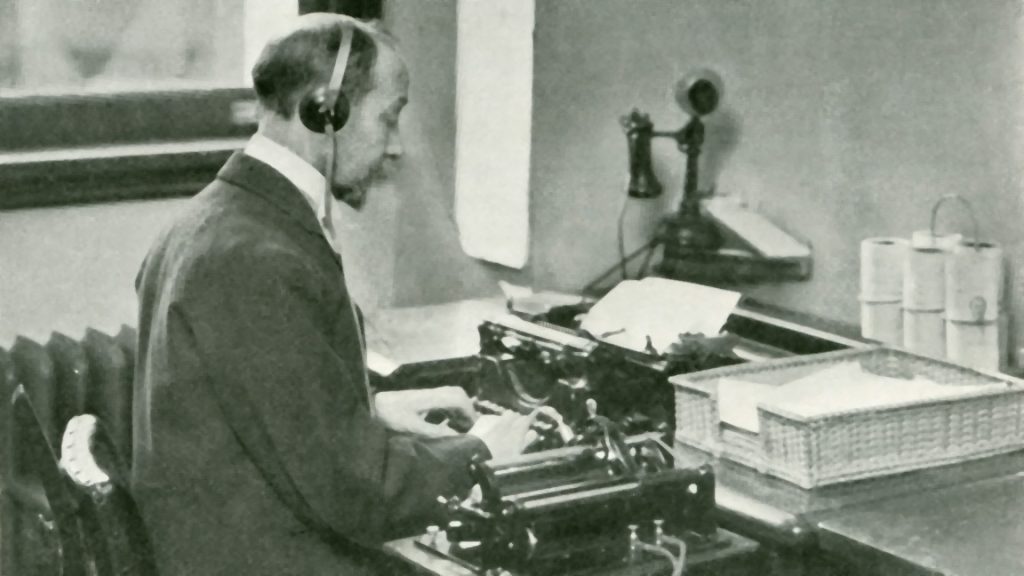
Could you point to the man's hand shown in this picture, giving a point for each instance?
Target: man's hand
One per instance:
(509, 434)
(406, 410)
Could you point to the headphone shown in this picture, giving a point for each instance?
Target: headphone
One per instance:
(324, 105)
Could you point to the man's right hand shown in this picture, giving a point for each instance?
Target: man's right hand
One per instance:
(407, 410)
(507, 435)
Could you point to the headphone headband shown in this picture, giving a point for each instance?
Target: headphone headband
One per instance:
(340, 64)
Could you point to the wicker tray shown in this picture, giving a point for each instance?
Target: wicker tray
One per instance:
(859, 443)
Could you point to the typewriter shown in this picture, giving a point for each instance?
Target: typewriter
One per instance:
(525, 364)
(603, 501)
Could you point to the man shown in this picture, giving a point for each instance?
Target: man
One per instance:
(258, 448)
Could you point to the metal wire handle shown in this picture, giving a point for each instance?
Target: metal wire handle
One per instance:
(970, 211)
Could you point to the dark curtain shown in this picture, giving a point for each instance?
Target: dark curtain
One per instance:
(363, 9)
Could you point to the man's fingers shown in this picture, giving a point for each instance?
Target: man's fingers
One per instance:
(451, 399)
(485, 424)
(529, 439)
(414, 425)
(533, 416)
(549, 413)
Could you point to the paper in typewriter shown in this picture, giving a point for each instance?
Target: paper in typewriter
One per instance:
(658, 308)
(839, 388)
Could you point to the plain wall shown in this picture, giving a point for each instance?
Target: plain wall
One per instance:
(431, 266)
(66, 269)
(841, 120)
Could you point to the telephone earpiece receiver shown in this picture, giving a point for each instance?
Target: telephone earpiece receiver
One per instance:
(327, 104)
(699, 92)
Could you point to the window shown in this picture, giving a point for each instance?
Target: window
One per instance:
(62, 46)
(124, 99)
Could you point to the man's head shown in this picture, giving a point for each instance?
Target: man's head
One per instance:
(376, 84)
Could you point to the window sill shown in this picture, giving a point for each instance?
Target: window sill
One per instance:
(59, 177)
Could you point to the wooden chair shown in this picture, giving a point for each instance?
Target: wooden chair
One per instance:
(119, 546)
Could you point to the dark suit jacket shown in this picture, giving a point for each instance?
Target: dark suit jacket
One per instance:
(254, 449)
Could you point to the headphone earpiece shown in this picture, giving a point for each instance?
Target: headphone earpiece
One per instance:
(314, 112)
(328, 103)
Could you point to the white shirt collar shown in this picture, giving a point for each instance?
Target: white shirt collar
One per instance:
(307, 179)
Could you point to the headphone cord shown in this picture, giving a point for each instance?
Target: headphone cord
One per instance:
(328, 221)
(328, 224)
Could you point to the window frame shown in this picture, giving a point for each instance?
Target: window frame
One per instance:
(98, 147)
(87, 148)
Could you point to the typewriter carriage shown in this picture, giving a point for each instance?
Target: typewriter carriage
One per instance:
(571, 508)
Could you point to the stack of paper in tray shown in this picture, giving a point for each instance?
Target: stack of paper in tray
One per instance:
(838, 388)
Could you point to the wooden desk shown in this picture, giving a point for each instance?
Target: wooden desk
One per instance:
(971, 530)
(803, 527)
(768, 508)
(737, 557)
(796, 523)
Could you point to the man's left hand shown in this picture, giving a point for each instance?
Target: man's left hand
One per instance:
(407, 410)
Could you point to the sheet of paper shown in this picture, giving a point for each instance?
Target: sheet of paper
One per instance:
(494, 100)
(839, 388)
(848, 387)
(659, 309)
(738, 401)
(762, 235)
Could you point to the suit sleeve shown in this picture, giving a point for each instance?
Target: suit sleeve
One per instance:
(262, 334)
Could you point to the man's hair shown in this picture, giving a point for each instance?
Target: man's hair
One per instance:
(294, 64)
